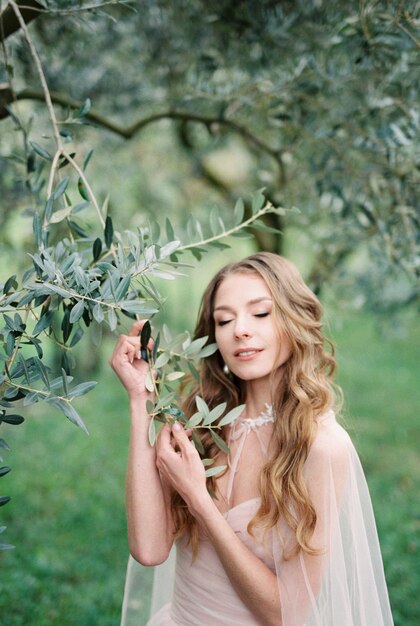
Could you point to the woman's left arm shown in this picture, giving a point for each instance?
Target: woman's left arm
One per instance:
(253, 581)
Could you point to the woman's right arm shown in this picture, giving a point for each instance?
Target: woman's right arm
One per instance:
(149, 518)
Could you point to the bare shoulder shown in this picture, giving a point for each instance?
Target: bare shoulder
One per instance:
(331, 441)
(331, 460)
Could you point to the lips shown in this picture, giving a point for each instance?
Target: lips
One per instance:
(246, 352)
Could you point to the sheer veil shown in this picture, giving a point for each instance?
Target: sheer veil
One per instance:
(344, 584)
(134, 595)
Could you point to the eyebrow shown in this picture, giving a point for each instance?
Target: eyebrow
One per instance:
(255, 301)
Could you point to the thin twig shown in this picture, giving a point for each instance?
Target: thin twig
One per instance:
(409, 34)
(227, 233)
(87, 186)
(79, 296)
(38, 65)
(47, 394)
(54, 165)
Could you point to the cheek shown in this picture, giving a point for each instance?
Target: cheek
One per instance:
(221, 342)
(218, 337)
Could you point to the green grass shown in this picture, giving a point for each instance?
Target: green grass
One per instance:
(67, 516)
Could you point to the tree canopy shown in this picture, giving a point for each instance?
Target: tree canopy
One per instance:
(322, 97)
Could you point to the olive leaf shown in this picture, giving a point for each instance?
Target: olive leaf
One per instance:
(145, 334)
(175, 376)
(213, 471)
(221, 443)
(148, 382)
(232, 415)
(194, 420)
(214, 414)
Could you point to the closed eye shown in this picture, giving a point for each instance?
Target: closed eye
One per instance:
(223, 322)
(262, 314)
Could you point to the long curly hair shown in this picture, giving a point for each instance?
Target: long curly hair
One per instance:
(305, 391)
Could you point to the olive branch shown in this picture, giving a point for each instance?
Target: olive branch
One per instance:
(163, 372)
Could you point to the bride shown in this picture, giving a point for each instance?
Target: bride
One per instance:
(286, 535)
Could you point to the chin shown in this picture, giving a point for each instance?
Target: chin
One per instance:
(249, 376)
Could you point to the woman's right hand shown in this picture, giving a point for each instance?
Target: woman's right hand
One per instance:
(127, 363)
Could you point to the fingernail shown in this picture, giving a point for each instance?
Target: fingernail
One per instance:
(176, 426)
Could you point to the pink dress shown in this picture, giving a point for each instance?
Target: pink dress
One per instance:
(342, 585)
(203, 593)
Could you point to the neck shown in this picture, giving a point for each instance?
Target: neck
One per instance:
(258, 394)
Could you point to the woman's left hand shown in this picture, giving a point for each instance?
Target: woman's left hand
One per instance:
(183, 470)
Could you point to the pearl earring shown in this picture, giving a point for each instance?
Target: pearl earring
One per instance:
(226, 370)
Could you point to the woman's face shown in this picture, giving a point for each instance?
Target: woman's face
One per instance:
(246, 335)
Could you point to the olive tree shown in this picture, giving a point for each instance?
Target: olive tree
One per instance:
(320, 98)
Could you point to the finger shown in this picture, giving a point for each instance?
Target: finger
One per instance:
(124, 351)
(135, 343)
(127, 339)
(164, 439)
(136, 328)
(181, 438)
(166, 455)
(135, 331)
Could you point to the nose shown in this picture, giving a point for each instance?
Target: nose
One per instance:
(241, 329)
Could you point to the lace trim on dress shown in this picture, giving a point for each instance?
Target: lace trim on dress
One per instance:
(251, 423)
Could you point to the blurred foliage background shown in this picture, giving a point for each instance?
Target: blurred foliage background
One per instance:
(188, 106)
(196, 102)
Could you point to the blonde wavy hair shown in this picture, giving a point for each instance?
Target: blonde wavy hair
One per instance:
(305, 391)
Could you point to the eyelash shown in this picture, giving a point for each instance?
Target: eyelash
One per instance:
(224, 322)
